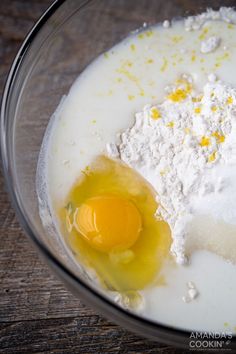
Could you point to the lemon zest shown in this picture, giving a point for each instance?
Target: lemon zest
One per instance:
(155, 113)
(205, 141)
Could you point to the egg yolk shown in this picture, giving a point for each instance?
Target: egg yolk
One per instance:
(109, 222)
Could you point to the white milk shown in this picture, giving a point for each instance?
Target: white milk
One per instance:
(101, 103)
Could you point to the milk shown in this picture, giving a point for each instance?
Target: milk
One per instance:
(101, 103)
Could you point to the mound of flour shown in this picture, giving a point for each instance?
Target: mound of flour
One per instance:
(174, 145)
(226, 14)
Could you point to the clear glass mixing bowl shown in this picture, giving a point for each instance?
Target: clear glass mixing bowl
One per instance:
(67, 37)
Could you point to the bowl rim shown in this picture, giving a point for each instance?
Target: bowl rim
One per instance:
(159, 332)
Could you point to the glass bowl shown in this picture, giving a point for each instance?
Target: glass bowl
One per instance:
(68, 36)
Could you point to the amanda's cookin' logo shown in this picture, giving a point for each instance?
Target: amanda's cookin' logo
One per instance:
(210, 340)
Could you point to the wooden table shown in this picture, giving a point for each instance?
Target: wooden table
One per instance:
(37, 314)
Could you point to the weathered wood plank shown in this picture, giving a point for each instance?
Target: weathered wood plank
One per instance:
(28, 288)
(82, 334)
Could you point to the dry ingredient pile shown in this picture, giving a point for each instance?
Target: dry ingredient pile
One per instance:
(174, 143)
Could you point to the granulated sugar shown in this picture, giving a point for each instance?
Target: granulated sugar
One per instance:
(175, 143)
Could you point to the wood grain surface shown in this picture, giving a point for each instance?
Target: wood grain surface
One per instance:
(37, 314)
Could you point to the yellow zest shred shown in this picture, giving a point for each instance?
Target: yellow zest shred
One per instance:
(193, 57)
(142, 93)
(133, 47)
(170, 124)
(163, 172)
(164, 65)
(178, 95)
(155, 113)
(149, 33)
(205, 141)
(131, 97)
(197, 110)
(219, 137)
(225, 56)
(214, 108)
(204, 33)
(128, 74)
(182, 81)
(229, 100)
(222, 57)
(212, 157)
(197, 98)
(176, 39)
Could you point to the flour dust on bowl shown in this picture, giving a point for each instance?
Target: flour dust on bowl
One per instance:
(129, 188)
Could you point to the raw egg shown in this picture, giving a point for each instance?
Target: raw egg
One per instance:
(109, 223)
(95, 221)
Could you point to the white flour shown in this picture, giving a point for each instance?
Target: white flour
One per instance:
(192, 292)
(226, 14)
(175, 143)
(210, 44)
